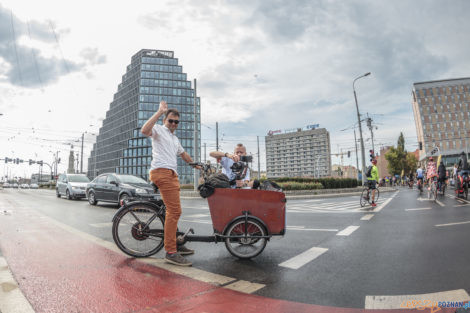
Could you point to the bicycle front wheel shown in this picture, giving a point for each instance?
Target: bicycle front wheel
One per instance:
(138, 230)
(245, 238)
(377, 194)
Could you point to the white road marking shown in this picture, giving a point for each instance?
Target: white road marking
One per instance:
(418, 209)
(459, 199)
(196, 221)
(197, 215)
(310, 229)
(380, 207)
(440, 203)
(347, 231)
(452, 224)
(395, 302)
(244, 286)
(12, 299)
(367, 217)
(303, 258)
(100, 225)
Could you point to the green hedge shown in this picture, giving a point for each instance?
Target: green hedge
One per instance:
(300, 186)
(187, 187)
(327, 183)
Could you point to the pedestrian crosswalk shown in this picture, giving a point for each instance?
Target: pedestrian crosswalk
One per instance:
(324, 206)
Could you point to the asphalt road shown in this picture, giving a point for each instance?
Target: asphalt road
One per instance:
(408, 245)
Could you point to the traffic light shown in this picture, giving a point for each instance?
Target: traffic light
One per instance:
(372, 156)
(40, 163)
(7, 160)
(31, 162)
(349, 154)
(17, 161)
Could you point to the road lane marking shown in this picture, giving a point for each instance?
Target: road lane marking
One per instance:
(452, 224)
(195, 221)
(100, 225)
(11, 298)
(303, 258)
(347, 231)
(244, 286)
(440, 203)
(395, 302)
(380, 207)
(310, 229)
(418, 209)
(196, 215)
(367, 217)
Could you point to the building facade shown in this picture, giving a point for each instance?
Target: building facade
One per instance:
(152, 76)
(344, 171)
(300, 153)
(442, 116)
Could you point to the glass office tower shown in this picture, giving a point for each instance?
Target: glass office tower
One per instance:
(152, 76)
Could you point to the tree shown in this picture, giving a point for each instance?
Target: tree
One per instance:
(411, 163)
(397, 157)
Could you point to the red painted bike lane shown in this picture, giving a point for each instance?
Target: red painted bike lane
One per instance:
(59, 271)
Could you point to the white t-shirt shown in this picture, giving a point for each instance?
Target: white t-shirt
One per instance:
(226, 164)
(165, 148)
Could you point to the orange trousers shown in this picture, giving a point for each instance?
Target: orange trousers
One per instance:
(168, 183)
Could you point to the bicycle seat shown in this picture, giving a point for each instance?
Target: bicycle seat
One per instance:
(155, 187)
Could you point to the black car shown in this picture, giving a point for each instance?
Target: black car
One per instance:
(116, 187)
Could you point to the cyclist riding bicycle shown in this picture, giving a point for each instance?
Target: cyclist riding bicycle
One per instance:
(442, 174)
(431, 171)
(462, 169)
(372, 180)
(420, 175)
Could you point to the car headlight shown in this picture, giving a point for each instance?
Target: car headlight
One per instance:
(140, 191)
(76, 188)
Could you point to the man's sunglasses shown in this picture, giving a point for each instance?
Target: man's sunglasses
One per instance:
(173, 121)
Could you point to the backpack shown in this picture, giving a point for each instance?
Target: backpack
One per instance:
(369, 171)
(217, 180)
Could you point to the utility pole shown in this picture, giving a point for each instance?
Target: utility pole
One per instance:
(196, 171)
(371, 128)
(205, 153)
(357, 157)
(217, 136)
(81, 158)
(259, 169)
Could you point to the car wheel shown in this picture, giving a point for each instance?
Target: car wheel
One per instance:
(57, 193)
(67, 194)
(91, 198)
(122, 197)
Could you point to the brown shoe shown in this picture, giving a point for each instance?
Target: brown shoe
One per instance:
(185, 251)
(177, 259)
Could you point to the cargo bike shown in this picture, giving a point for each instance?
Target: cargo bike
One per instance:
(244, 219)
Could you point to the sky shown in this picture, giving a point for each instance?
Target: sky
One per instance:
(260, 66)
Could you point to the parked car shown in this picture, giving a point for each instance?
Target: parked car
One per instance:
(72, 186)
(116, 187)
(6, 185)
(24, 186)
(34, 186)
(15, 185)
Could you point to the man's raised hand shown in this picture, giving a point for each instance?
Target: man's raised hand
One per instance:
(163, 106)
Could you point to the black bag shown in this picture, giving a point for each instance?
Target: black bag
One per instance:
(217, 180)
(270, 185)
(369, 171)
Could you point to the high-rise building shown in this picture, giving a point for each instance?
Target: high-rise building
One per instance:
(120, 147)
(442, 117)
(298, 153)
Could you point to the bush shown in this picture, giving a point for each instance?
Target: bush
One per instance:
(300, 186)
(327, 183)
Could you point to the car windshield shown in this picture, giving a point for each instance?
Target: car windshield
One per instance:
(78, 179)
(129, 179)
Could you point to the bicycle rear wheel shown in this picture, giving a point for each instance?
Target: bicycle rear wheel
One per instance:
(434, 191)
(138, 230)
(364, 197)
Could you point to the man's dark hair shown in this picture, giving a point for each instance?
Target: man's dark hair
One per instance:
(172, 111)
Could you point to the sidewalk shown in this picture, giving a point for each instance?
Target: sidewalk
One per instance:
(306, 194)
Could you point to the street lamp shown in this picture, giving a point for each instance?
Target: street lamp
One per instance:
(360, 130)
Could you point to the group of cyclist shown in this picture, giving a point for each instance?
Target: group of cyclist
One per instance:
(440, 173)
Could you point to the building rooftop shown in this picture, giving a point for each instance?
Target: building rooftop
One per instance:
(451, 80)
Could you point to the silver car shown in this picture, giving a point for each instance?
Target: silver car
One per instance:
(72, 186)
